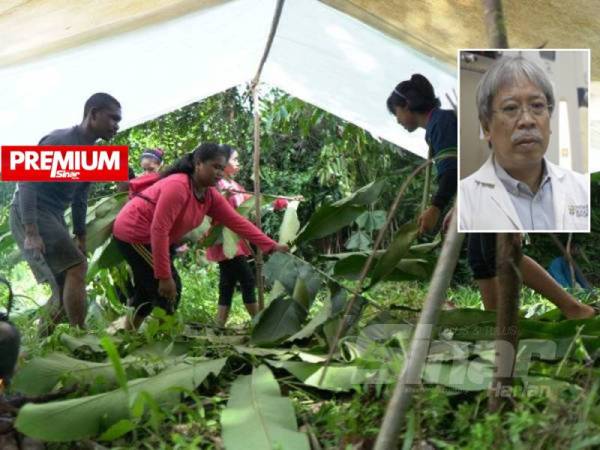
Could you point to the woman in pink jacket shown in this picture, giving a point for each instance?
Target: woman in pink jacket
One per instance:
(153, 222)
(235, 270)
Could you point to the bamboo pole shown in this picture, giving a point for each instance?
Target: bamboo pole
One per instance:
(419, 346)
(256, 156)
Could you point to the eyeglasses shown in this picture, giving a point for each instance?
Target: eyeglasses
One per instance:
(513, 112)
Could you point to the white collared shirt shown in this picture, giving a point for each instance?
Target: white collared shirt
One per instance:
(485, 205)
(535, 210)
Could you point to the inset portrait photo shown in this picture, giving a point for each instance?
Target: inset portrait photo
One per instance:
(524, 140)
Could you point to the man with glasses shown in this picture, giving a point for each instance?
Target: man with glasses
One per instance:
(517, 188)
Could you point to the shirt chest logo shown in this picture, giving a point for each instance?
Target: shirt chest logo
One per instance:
(578, 210)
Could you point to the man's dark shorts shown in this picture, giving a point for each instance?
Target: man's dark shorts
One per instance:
(61, 251)
(482, 255)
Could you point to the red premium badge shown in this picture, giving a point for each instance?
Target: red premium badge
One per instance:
(64, 163)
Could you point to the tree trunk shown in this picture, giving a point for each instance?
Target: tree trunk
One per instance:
(508, 261)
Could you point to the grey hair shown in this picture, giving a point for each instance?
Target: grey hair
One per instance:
(504, 72)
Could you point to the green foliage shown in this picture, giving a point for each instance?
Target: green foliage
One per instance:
(285, 315)
(230, 243)
(304, 150)
(370, 359)
(115, 360)
(332, 217)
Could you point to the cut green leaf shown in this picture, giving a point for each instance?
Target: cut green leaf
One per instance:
(365, 196)
(85, 417)
(99, 229)
(290, 223)
(257, 416)
(41, 375)
(396, 251)
(230, 243)
(278, 321)
(327, 220)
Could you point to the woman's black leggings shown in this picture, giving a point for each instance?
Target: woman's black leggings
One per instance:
(146, 296)
(232, 271)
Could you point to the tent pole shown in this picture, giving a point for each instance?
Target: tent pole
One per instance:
(256, 168)
(256, 157)
(410, 377)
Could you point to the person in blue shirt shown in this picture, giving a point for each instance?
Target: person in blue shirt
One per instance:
(560, 270)
(415, 105)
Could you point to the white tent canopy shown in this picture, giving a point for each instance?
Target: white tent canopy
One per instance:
(319, 55)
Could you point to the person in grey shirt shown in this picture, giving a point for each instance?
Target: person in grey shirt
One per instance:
(37, 217)
(517, 188)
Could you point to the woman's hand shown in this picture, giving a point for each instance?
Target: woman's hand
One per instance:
(429, 219)
(281, 248)
(167, 289)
